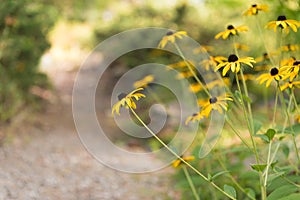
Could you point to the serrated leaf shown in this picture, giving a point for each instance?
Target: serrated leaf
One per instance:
(282, 192)
(219, 174)
(259, 168)
(230, 190)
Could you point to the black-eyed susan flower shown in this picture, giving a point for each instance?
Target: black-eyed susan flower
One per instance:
(181, 65)
(291, 71)
(290, 47)
(195, 117)
(203, 49)
(127, 100)
(264, 57)
(143, 82)
(284, 24)
(288, 61)
(290, 84)
(297, 118)
(254, 9)
(213, 61)
(231, 31)
(170, 37)
(274, 74)
(176, 163)
(234, 63)
(241, 47)
(213, 103)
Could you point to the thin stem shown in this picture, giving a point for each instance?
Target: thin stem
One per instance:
(188, 177)
(290, 124)
(275, 108)
(191, 69)
(268, 163)
(178, 156)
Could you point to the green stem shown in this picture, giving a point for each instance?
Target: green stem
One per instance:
(188, 177)
(275, 108)
(268, 163)
(191, 69)
(290, 124)
(178, 156)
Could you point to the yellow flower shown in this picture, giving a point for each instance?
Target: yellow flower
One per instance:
(196, 87)
(264, 58)
(182, 75)
(170, 37)
(144, 82)
(290, 84)
(241, 47)
(213, 61)
(195, 117)
(298, 119)
(253, 10)
(234, 63)
(284, 24)
(176, 163)
(127, 100)
(291, 71)
(288, 61)
(214, 103)
(290, 47)
(180, 64)
(231, 31)
(203, 49)
(274, 74)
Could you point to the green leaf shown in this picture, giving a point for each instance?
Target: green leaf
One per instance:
(250, 192)
(247, 99)
(219, 174)
(282, 192)
(291, 197)
(238, 96)
(230, 190)
(270, 134)
(259, 168)
(286, 150)
(294, 129)
(274, 176)
(257, 126)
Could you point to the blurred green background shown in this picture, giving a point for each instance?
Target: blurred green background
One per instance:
(28, 29)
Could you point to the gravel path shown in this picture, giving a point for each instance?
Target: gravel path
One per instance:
(45, 160)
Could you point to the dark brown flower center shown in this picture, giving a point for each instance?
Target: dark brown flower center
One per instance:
(274, 71)
(232, 58)
(230, 27)
(281, 18)
(254, 5)
(297, 62)
(121, 96)
(195, 114)
(213, 100)
(170, 33)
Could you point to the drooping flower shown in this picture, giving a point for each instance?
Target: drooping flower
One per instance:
(231, 31)
(254, 9)
(143, 83)
(274, 74)
(214, 103)
(290, 47)
(176, 163)
(234, 63)
(127, 100)
(170, 37)
(284, 24)
(291, 71)
(213, 61)
(290, 84)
